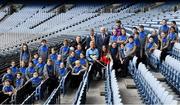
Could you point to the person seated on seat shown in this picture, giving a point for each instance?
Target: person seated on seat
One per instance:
(71, 60)
(172, 37)
(173, 24)
(40, 66)
(8, 89)
(49, 71)
(13, 68)
(30, 70)
(129, 52)
(123, 38)
(22, 68)
(19, 81)
(64, 50)
(61, 71)
(8, 76)
(164, 27)
(43, 50)
(113, 37)
(83, 61)
(58, 62)
(53, 55)
(78, 51)
(35, 80)
(35, 59)
(150, 46)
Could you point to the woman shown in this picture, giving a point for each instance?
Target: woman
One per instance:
(105, 57)
(25, 55)
(123, 38)
(172, 37)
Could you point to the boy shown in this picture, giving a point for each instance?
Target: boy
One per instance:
(7, 88)
(36, 80)
(53, 55)
(64, 50)
(19, 81)
(13, 68)
(8, 76)
(40, 66)
(35, 60)
(43, 50)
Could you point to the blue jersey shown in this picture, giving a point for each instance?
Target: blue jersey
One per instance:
(172, 36)
(150, 45)
(36, 81)
(35, 61)
(25, 56)
(43, 52)
(62, 71)
(164, 28)
(137, 42)
(50, 70)
(14, 70)
(83, 61)
(77, 69)
(22, 70)
(142, 35)
(30, 71)
(78, 52)
(8, 88)
(8, 76)
(53, 57)
(40, 67)
(19, 83)
(92, 52)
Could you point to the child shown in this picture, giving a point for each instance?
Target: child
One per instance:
(78, 51)
(30, 70)
(13, 68)
(53, 55)
(22, 68)
(61, 72)
(40, 66)
(150, 46)
(36, 80)
(83, 60)
(8, 76)
(64, 50)
(78, 68)
(172, 37)
(58, 62)
(118, 27)
(35, 60)
(123, 38)
(43, 50)
(7, 88)
(19, 81)
(142, 38)
(49, 69)
(25, 55)
(71, 60)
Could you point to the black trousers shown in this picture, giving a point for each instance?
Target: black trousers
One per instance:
(164, 53)
(125, 66)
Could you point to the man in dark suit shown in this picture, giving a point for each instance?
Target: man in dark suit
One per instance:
(102, 38)
(91, 37)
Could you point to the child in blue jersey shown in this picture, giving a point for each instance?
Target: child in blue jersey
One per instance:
(7, 88)
(25, 55)
(43, 50)
(71, 60)
(123, 38)
(57, 62)
(137, 43)
(53, 55)
(30, 70)
(22, 68)
(13, 68)
(155, 36)
(61, 71)
(40, 66)
(172, 37)
(78, 68)
(8, 76)
(78, 51)
(49, 71)
(150, 46)
(35, 59)
(164, 27)
(135, 30)
(64, 50)
(83, 60)
(114, 37)
(19, 81)
(36, 80)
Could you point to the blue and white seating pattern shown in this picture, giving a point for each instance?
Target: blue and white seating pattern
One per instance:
(150, 88)
(176, 51)
(171, 70)
(112, 95)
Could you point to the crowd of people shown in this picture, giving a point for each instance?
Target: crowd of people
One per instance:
(98, 50)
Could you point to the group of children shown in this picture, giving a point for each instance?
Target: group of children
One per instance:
(100, 49)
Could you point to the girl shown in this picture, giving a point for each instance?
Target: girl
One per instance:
(25, 55)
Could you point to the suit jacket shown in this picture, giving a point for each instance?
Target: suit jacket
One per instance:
(102, 41)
